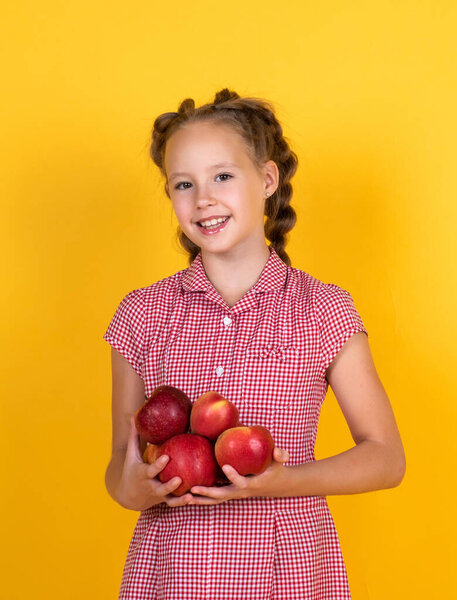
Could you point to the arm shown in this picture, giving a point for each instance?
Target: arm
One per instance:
(377, 461)
(130, 481)
(127, 397)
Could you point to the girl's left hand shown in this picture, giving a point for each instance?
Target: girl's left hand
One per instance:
(269, 483)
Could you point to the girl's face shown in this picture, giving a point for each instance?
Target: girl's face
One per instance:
(210, 175)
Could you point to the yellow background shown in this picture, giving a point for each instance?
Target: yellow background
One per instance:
(366, 92)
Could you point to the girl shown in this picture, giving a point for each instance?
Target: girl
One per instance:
(269, 337)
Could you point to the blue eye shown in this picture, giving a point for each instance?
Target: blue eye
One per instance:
(177, 186)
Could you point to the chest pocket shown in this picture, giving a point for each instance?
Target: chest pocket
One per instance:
(272, 376)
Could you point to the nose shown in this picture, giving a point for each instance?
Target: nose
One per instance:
(203, 196)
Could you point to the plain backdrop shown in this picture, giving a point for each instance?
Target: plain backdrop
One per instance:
(366, 93)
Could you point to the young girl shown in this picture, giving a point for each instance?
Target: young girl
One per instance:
(270, 338)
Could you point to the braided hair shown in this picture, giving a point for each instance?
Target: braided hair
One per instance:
(255, 121)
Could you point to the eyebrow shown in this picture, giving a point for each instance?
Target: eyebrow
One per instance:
(217, 166)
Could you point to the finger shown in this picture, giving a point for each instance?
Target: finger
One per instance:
(133, 446)
(178, 500)
(169, 486)
(203, 500)
(211, 492)
(235, 477)
(157, 466)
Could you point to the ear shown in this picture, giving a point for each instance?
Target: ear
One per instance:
(271, 176)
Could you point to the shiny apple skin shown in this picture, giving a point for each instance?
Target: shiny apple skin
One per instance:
(164, 414)
(248, 449)
(212, 414)
(192, 459)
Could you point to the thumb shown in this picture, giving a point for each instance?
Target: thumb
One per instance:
(133, 446)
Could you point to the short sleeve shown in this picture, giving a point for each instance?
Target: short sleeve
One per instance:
(125, 331)
(338, 321)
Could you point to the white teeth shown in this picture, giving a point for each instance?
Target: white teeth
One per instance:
(212, 222)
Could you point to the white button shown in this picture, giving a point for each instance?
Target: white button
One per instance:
(227, 320)
(219, 371)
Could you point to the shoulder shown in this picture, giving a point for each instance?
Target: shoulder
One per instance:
(145, 311)
(159, 292)
(164, 291)
(315, 301)
(314, 291)
(150, 307)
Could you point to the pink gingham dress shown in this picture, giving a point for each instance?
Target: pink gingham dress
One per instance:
(268, 354)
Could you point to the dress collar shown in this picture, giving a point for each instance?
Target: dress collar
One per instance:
(273, 276)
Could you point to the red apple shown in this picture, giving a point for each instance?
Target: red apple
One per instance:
(249, 450)
(164, 414)
(150, 453)
(212, 414)
(191, 458)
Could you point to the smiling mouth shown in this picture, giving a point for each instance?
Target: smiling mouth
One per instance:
(215, 226)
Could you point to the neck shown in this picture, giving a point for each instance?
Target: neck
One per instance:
(234, 276)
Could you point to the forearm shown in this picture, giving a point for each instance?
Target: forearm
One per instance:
(113, 473)
(366, 467)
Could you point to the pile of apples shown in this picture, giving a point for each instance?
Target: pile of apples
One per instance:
(200, 438)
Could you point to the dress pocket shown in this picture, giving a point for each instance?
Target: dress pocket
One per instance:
(272, 374)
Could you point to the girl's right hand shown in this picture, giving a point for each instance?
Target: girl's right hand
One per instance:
(138, 488)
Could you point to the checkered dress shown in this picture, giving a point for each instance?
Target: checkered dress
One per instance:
(268, 354)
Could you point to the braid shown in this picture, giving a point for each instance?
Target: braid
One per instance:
(281, 216)
(254, 119)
